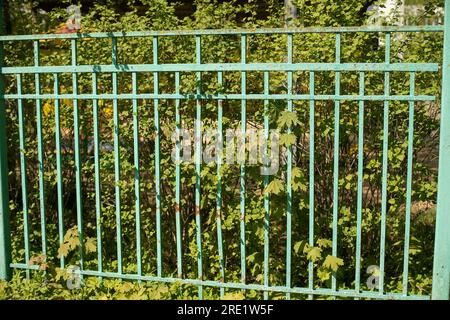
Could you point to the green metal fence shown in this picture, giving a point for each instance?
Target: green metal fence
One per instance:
(441, 277)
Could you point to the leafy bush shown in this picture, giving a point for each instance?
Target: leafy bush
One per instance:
(358, 47)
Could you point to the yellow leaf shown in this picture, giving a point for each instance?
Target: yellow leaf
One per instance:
(73, 242)
(274, 187)
(60, 274)
(314, 254)
(72, 232)
(48, 109)
(324, 243)
(63, 250)
(296, 172)
(234, 296)
(323, 275)
(90, 245)
(108, 111)
(333, 263)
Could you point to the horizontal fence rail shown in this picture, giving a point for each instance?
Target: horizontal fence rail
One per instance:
(36, 77)
(263, 31)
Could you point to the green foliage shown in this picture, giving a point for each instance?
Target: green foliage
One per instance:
(314, 254)
(332, 263)
(287, 119)
(276, 186)
(288, 139)
(45, 288)
(296, 134)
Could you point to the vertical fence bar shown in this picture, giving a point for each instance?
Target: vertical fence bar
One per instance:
(137, 175)
(359, 201)
(98, 203)
(219, 186)
(266, 183)
(312, 114)
(198, 159)
(76, 133)
(5, 232)
(441, 267)
(157, 161)
(23, 173)
(336, 157)
(242, 173)
(289, 174)
(117, 157)
(385, 164)
(37, 84)
(409, 175)
(59, 166)
(178, 179)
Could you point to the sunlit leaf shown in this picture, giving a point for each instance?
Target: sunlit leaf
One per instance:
(333, 263)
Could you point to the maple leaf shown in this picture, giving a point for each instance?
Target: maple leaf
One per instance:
(296, 172)
(314, 254)
(63, 250)
(299, 245)
(287, 119)
(324, 243)
(323, 275)
(288, 139)
(73, 242)
(333, 263)
(72, 232)
(90, 245)
(275, 187)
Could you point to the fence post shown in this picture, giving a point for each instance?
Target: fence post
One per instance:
(5, 234)
(441, 265)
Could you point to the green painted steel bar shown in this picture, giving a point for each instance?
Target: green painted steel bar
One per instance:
(441, 264)
(168, 33)
(137, 174)
(289, 173)
(23, 173)
(233, 285)
(242, 166)
(98, 200)
(312, 114)
(384, 165)
(359, 201)
(117, 152)
(42, 208)
(238, 67)
(157, 161)
(59, 173)
(5, 230)
(336, 159)
(76, 132)
(266, 195)
(250, 96)
(198, 157)
(219, 186)
(178, 180)
(409, 176)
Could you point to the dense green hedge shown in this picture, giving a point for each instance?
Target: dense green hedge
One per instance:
(360, 47)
